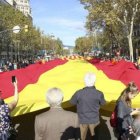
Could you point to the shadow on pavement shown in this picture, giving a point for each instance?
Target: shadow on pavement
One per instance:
(25, 126)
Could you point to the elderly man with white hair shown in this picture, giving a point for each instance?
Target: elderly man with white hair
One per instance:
(88, 101)
(56, 124)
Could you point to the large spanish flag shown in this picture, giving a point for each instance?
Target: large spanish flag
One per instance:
(67, 74)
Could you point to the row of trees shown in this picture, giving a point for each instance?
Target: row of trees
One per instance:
(115, 19)
(84, 44)
(24, 42)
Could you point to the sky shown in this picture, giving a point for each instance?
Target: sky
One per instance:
(62, 18)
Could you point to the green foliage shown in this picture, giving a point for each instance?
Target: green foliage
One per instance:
(83, 44)
(30, 41)
(116, 17)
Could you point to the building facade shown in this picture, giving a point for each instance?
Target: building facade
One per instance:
(21, 5)
(10, 2)
(24, 7)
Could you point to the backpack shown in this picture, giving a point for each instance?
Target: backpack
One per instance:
(113, 118)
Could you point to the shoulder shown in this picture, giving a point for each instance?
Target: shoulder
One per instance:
(79, 91)
(120, 103)
(4, 106)
(4, 110)
(42, 115)
(70, 113)
(100, 93)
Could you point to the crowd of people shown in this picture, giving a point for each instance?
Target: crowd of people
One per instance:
(59, 124)
(9, 65)
(13, 65)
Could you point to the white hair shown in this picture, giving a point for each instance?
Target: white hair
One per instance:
(54, 97)
(89, 79)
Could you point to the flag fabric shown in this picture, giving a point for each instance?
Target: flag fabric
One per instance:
(25, 76)
(66, 74)
(123, 71)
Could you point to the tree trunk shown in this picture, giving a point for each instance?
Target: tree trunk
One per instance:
(130, 48)
(130, 39)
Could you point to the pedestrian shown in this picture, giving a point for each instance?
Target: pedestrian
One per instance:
(56, 124)
(136, 124)
(88, 101)
(7, 131)
(125, 111)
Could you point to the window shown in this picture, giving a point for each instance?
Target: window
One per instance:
(26, 8)
(138, 32)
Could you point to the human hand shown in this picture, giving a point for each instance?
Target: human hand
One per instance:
(135, 112)
(131, 130)
(138, 109)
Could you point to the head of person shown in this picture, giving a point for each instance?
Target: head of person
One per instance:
(129, 93)
(54, 97)
(89, 79)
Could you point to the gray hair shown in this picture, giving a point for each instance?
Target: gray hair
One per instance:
(89, 79)
(54, 97)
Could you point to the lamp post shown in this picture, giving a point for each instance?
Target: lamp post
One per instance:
(16, 30)
(53, 43)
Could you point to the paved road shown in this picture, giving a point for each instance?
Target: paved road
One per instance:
(25, 126)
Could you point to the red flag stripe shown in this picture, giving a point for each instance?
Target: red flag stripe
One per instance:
(25, 76)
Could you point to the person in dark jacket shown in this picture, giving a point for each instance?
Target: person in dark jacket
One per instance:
(125, 111)
(136, 125)
(88, 101)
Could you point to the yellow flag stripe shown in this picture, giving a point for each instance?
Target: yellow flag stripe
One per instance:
(69, 78)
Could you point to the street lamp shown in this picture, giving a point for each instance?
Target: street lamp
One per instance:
(16, 29)
(53, 43)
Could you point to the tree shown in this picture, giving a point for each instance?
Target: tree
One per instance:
(118, 15)
(83, 44)
(58, 46)
(27, 41)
